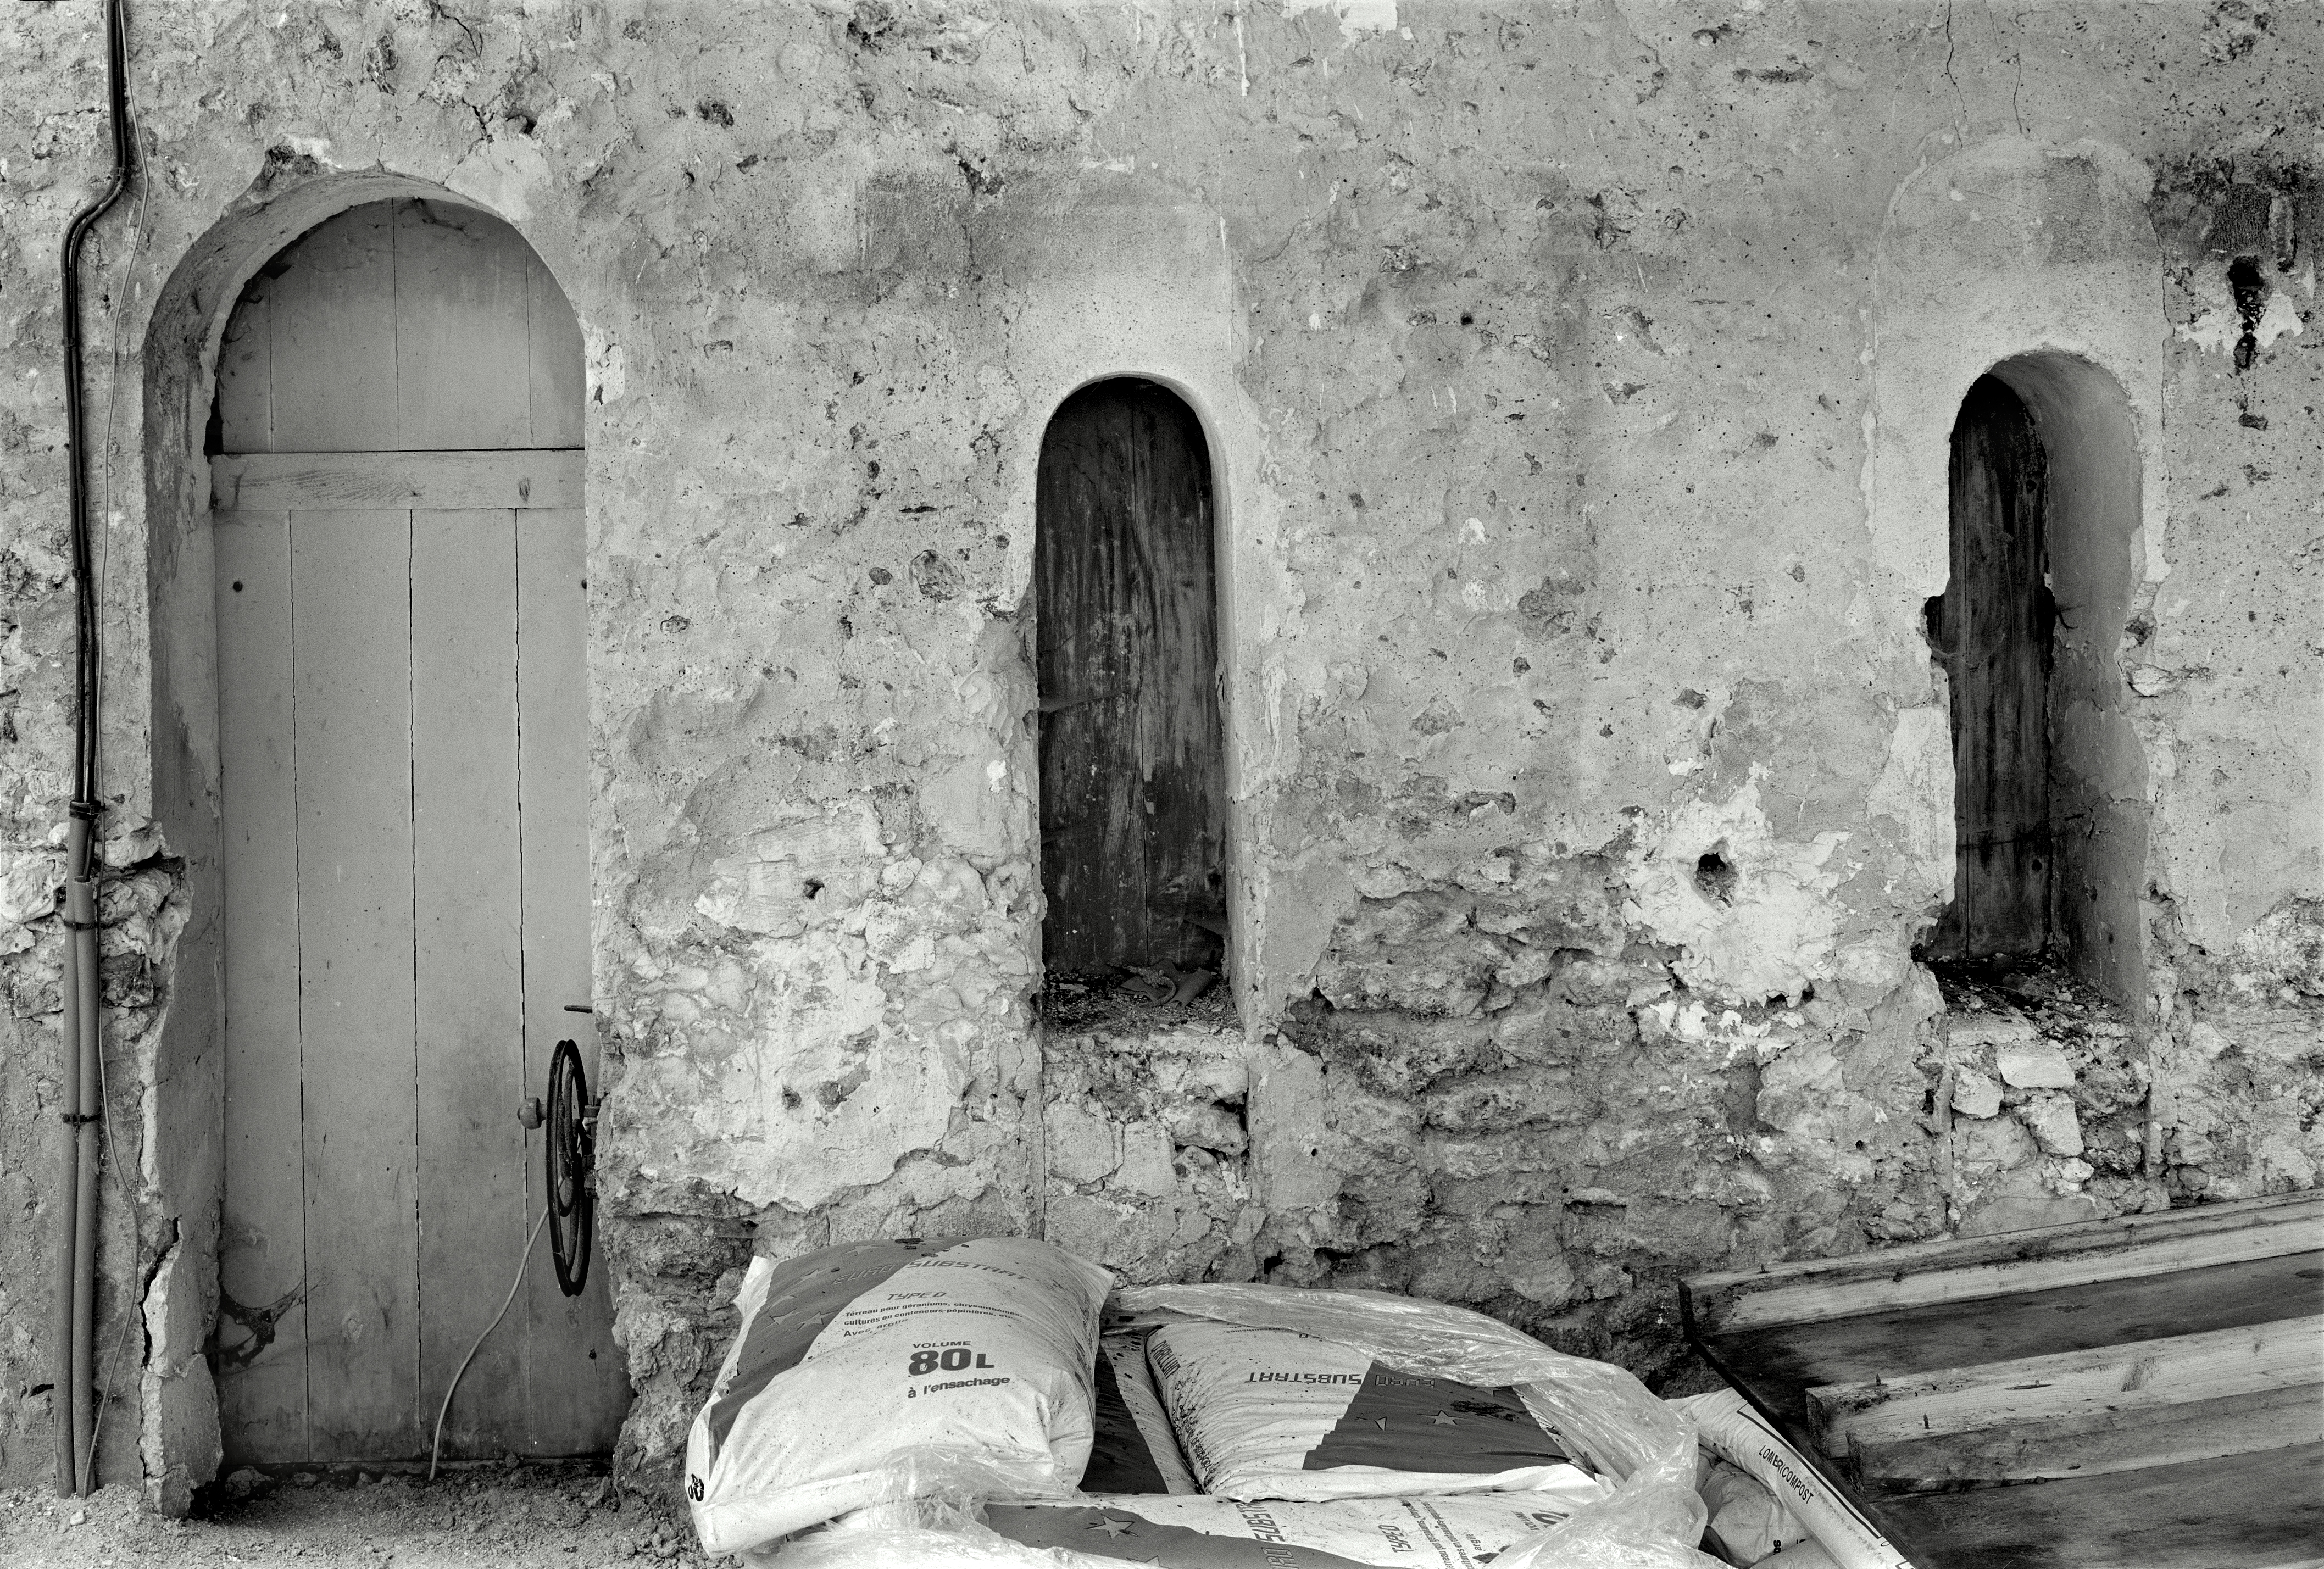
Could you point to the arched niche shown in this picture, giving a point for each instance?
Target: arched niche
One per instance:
(1133, 814)
(2051, 791)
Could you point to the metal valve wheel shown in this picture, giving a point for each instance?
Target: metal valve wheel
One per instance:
(572, 1164)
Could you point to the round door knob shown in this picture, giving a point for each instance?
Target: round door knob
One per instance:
(527, 1112)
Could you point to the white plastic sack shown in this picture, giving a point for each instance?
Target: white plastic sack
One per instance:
(1736, 1433)
(1747, 1522)
(1274, 1413)
(1464, 1532)
(1649, 1518)
(882, 1371)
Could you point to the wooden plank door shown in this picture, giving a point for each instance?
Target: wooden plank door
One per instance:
(403, 740)
(1991, 632)
(1133, 783)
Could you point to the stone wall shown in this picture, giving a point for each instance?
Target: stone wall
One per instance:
(1575, 374)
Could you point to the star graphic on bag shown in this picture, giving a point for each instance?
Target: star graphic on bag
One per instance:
(1442, 1420)
(1110, 1526)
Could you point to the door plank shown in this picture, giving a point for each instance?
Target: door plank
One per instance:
(559, 382)
(462, 328)
(1133, 818)
(352, 653)
(333, 306)
(261, 1250)
(371, 481)
(245, 375)
(467, 873)
(576, 1380)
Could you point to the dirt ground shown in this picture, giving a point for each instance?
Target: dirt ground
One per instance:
(508, 1518)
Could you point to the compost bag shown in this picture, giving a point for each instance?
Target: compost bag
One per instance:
(1462, 1532)
(879, 1370)
(1646, 1514)
(1277, 1414)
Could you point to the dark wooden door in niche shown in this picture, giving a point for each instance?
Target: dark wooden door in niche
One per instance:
(1991, 631)
(1133, 782)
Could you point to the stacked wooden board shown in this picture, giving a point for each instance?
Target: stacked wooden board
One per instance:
(2144, 1391)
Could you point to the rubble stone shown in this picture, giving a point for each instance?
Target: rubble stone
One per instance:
(2034, 1065)
(1974, 1094)
(2055, 1128)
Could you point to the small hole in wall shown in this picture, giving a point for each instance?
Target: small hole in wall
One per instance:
(1715, 877)
(813, 886)
(238, 586)
(791, 1099)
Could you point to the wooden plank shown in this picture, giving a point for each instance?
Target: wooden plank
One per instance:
(1778, 1361)
(1133, 791)
(1926, 1273)
(467, 901)
(2260, 1511)
(1992, 636)
(2094, 1443)
(244, 409)
(333, 304)
(2060, 1413)
(373, 481)
(558, 378)
(262, 1249)
(575, 1379)
(352, 653)
(463, 375)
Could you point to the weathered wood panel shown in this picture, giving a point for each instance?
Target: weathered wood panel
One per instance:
(2111, 1407)
(462, 330)
(1959, 1333)
(351, 592)
(1973, 1267)
(1992, 634)
(468, 968)
(1133, 819)
(329, 303)
(576, 1383)
(427, 668)
(423, 481)
(262, 1242)
(2258, 1511)
(402, 326)
(558, 380)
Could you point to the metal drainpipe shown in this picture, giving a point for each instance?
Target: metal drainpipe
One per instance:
(81, 1104)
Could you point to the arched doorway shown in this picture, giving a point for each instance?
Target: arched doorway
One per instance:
(401, 620)
(1133, 782)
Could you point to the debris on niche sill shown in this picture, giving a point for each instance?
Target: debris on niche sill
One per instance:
(1114, 1006)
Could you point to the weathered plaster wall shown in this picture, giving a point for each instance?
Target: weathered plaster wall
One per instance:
(1577, 377)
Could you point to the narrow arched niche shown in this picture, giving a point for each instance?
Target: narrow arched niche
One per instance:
(2049, 782)
(1133, 779)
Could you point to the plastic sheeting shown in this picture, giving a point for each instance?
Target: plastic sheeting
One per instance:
(1649, 1521)
(1741, 1436)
